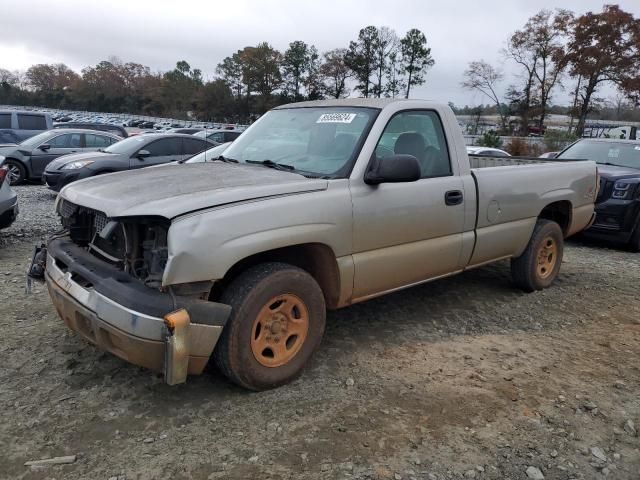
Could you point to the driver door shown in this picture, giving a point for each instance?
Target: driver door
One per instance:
(160, 151)
(63, 144)
(409, 232)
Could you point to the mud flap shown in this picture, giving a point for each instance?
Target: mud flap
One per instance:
(37, 266)
(176, 352)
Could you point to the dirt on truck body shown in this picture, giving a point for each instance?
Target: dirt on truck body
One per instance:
(317, 206)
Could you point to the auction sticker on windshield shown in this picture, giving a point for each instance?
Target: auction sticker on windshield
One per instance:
(336, 118)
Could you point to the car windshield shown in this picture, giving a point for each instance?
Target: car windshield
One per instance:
(317, 141)
(37, 139)
(127, 145)
(210, 154)
(604, 153)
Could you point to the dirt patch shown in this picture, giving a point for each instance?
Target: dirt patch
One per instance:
(462, 378)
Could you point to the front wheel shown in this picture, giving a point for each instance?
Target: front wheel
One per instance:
(634, 242)
(276, 324)
(17, 172)
(539, 264)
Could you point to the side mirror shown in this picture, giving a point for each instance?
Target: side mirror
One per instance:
(393, 169)
(44, 147)
(142, 154)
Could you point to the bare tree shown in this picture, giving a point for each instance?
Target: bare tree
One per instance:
(335, 72)
(604, 47)
(484, 78)
(386, 44)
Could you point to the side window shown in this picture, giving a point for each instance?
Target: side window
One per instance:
(192, 146)
(231, 136)
(31, 122)
(96, 141)
(5, 120)
(164, 147)
(418, 133)
(217, 137)
(69, 140)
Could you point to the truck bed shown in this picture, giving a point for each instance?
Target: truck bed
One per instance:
(483, 161)
(510, 199)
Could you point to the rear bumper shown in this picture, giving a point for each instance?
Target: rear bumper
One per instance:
(129, 326)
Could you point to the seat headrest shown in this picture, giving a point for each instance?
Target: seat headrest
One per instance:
(410, 143)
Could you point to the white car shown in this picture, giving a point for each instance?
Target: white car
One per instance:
(487, 152)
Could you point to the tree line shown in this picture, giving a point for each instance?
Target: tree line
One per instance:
(378, 63)
(558, 50)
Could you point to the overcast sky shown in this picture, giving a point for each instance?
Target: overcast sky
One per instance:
(158, 33)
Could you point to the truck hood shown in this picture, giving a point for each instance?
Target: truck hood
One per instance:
(173, 190)
(612, 172)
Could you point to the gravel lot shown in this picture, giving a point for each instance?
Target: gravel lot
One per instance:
(458, 379)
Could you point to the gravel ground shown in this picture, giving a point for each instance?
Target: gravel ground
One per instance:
(37, 217)
(458, 379)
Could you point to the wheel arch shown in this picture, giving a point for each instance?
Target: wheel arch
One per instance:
(317, 259)
(22, 162)
(560, 212)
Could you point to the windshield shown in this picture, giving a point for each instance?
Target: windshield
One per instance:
(127, 145)
(37, 139)
(210, 154)
(615, 153)
(319, 141)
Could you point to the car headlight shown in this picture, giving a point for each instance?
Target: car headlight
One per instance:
(622, 190)
(77, 165)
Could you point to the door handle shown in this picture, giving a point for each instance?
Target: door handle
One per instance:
(453, 197)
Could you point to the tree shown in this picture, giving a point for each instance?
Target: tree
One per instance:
(395, 82)
(361, 58)
(261, 72)
(385, 45)
(603, 47)
(483, 77)
(416, 57)
(230, 70)
(313, 79)
(295, 63)
(215, 101)
(335, 72)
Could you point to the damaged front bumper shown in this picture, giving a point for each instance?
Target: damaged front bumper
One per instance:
(134, 322)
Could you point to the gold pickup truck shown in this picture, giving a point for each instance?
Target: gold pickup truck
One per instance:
(316, 206)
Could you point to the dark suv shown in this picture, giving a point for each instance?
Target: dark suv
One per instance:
(618, 202)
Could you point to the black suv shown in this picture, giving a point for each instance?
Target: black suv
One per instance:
(618, 202)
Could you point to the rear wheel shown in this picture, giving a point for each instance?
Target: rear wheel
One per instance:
(539, 264)
(17, 172)
(276, 324)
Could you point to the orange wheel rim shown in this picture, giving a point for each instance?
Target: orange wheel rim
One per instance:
(547, 257)
(279, 330)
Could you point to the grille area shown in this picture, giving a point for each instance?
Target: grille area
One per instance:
(66, 208)
(606, 186)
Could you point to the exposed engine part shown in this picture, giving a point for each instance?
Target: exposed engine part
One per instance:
(136, 245)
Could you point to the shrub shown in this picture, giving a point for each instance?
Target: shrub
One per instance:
(556, 140)
(520, 147)
(491, 140)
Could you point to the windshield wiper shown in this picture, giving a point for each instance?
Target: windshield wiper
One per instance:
(615, 165)
(224, 159)
(274, 165)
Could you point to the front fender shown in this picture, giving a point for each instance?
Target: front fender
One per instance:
(203, 246)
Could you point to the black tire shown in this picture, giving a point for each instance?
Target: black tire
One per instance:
(634, 241)
(250, 293)
(17, 171)
(533, 269)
